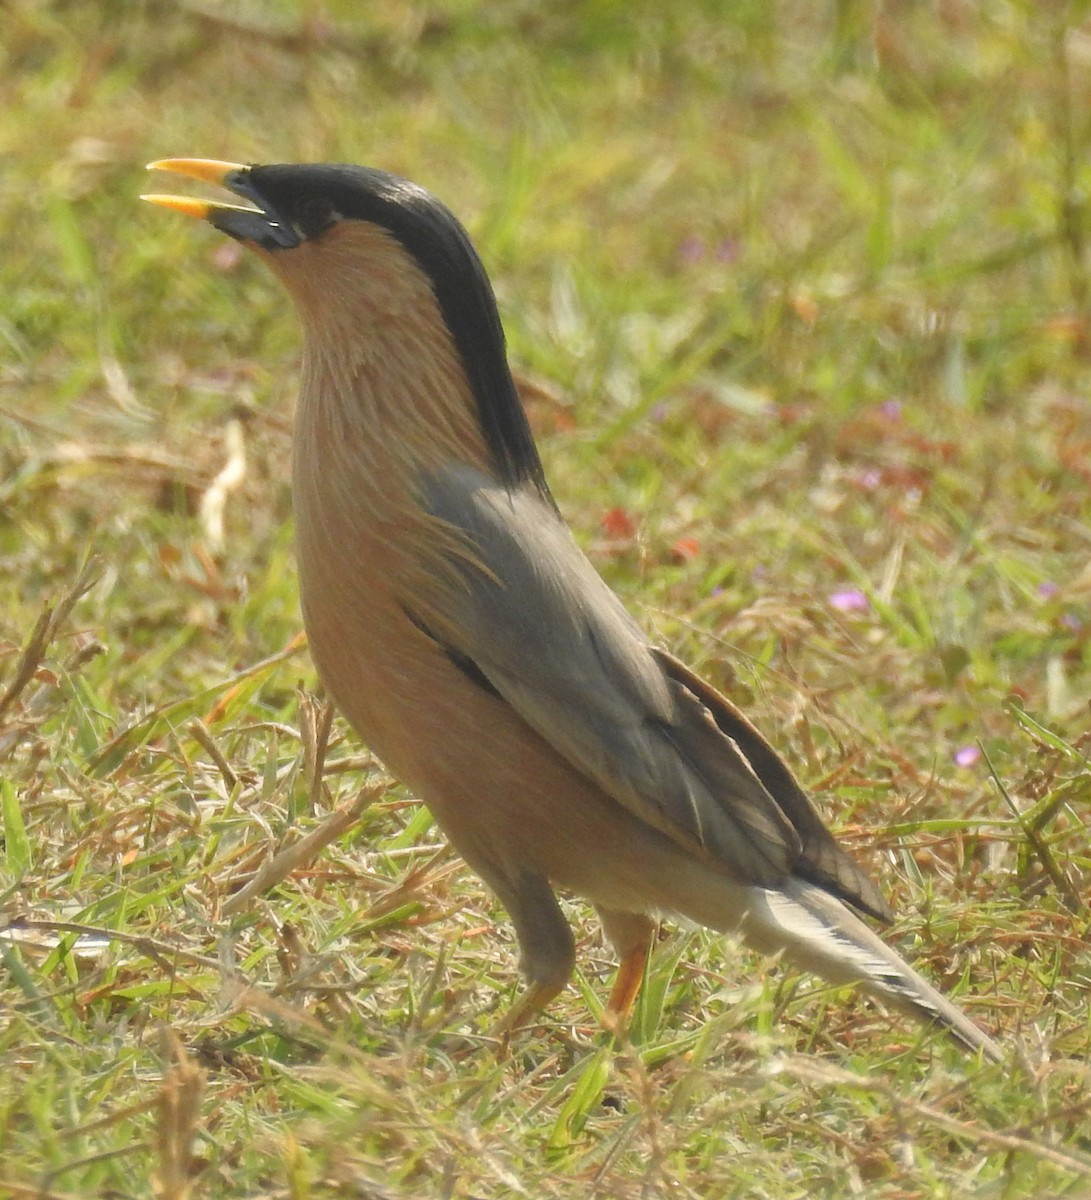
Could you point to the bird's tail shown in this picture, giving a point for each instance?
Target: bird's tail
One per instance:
(816, 931)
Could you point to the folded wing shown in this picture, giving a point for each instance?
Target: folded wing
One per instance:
(528, 616)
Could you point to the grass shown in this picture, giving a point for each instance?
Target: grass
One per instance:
(799, 297)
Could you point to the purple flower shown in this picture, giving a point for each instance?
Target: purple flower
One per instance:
(849, 600)
(870, 478)
(891, 409)
(967, 756)
(691, 251)
(1047, 589)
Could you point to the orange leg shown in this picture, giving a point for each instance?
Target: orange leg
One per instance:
(631, 935)
(630, 975)
(532, 1001)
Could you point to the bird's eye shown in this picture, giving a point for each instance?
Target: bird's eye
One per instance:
(313, 215)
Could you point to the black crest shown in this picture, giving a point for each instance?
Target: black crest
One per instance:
(310, 198)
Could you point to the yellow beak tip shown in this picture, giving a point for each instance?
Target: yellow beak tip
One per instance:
(189, 206)
(208, 169)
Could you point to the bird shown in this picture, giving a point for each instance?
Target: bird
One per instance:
(471, 644)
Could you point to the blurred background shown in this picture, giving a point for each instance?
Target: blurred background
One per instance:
(797, 295)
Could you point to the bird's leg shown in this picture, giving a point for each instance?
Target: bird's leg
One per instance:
(548, 952)
(529, 1004)
(631, 936)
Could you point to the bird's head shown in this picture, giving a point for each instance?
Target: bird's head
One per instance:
(385, 279)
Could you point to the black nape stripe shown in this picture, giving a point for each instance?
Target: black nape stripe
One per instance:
(313, 194)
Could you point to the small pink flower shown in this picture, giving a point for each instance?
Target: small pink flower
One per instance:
(226, 257)
(870, 478)
(691, 251)
(967, 756)
(849, 600)
(1048, 588)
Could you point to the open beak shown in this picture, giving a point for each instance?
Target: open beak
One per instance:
(258, 222)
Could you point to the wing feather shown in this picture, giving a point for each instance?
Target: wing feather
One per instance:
(539, 624)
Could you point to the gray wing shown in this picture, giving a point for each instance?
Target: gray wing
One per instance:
(530, 616)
